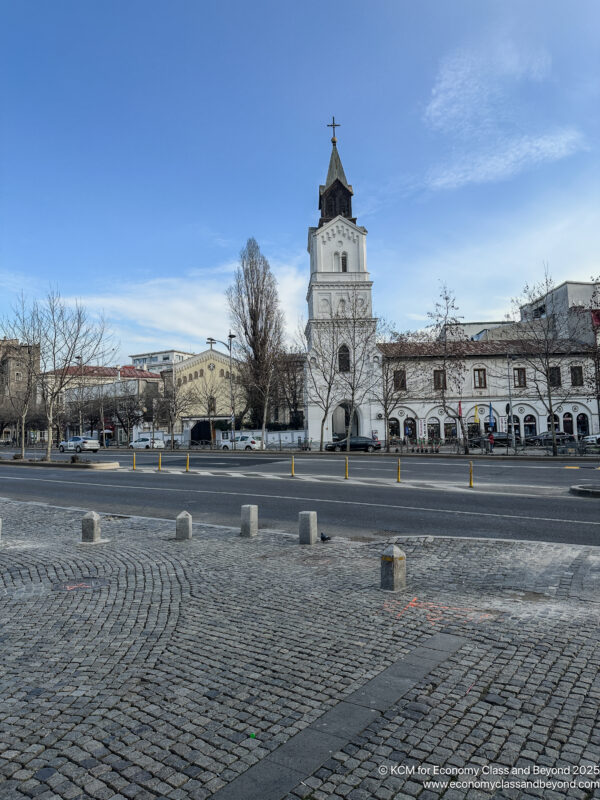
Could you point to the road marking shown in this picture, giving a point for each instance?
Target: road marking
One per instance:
(570, 467)
(305, 499)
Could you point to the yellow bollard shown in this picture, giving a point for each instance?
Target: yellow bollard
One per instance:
(293, 474)
(398, 479)
(187, 463)
(159, 461)
(470, 474)
(134, 460)
(346, 476)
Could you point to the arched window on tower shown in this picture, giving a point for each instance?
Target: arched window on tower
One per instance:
(336, 262)
(331, 207)
(344, 359)
(344, 262)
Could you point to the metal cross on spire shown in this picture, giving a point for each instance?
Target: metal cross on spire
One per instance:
(333, 124)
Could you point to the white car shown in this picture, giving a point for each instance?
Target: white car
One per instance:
(244, 443)
(147, 442)
(79, 443)
(593, 439)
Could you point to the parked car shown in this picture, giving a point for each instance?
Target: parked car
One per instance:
(244, 442)
(501, 439)
(593, 439)
(356, 443)
(545, 439)
(146, 443)
(79, 443)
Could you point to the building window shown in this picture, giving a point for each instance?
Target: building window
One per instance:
(439, 379)
(165, 358)
(539, 312)
(344, 262)
(344, 359)
(190, 377)
(554, 377)
(17, 376)
(195, 374)
(227, 374)
(178, 381)
(336, 262)
(576, 376)
(479, 379)
(201, 373)
(399, 379)
(519, 377)
(185, 379)
(212, 404)
(221, 373)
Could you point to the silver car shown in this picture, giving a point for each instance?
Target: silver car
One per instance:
(79, 443)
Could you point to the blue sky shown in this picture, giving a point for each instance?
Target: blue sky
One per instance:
(142, 143)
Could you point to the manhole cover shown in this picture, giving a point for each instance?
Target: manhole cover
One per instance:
(80, 584)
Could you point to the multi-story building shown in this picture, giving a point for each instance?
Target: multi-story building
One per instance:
(159, 360)
(544, 366)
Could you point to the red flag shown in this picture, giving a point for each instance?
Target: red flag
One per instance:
(459, 409)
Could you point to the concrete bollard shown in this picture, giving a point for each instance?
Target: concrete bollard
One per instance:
(393, 569)
(183, 526)
(307, 527)
(249, 521)
(90, 527)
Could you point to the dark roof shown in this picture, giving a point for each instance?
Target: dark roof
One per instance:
(466, 348)
(335, 172)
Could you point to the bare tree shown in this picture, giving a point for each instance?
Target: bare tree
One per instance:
(392, 388)
(177, 401)
(555, 346)
(258, 323)
(320, 345)
(447, 348)
(68, 337)
(22, 348)
(290, 385)
(358, 358)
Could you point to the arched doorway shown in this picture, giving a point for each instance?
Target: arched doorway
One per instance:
(568, 422)
(583, 425)
(393, 429)
(556, 423)
(410, 428)
(340, 419)
(433, 428)
(529, 425)
(516, 424)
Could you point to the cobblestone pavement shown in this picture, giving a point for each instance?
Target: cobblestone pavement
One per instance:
(151, 668)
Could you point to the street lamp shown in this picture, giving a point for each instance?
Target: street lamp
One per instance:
(228, 345)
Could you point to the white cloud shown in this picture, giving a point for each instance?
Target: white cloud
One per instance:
(475, 104)
(506, 159)
(182, 311)
(486, 271)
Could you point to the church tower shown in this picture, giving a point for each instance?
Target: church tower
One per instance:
(340, 330)
(338, 251)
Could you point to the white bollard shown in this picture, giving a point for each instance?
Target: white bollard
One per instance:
(249, 521)
(90, 527)
(183, 526)
(393, 569)
(307, 527)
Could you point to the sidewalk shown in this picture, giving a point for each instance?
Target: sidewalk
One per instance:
(151, 668)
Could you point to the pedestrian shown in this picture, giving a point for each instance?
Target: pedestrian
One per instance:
(491, 441)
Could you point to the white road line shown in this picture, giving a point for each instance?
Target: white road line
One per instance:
(306, 499)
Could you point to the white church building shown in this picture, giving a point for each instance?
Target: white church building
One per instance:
(345, 362)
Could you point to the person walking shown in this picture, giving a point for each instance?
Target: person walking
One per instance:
(491, 442)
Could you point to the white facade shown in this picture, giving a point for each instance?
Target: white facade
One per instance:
(338, 274)
(159, 360)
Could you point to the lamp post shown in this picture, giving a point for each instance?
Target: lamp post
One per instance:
(228, 345)
(80, 392)
(511, 419)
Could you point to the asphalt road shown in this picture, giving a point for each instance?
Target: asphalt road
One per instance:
(512, 500)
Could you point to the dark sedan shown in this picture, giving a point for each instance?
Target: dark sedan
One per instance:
(356, 443)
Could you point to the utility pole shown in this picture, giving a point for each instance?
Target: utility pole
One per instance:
(511, 419)
(229, 344)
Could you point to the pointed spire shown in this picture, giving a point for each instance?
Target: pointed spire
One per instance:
(335, 167)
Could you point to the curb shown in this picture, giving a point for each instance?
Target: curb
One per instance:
(582, 490)
(63, 464)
